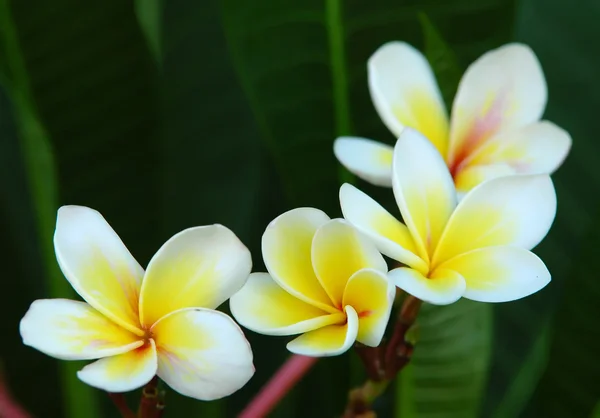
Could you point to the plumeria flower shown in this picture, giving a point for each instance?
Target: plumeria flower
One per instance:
(326, 281)
(494, 130)
(141, 324)
(477, 249)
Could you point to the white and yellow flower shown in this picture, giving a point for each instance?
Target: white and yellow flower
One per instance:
(326, 281)
(494, 130)
(477, 249)
(141, 324)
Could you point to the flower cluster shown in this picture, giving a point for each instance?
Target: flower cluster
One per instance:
(474, 193)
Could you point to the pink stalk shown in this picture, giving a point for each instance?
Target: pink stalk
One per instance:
(8, 407)
(278, 386)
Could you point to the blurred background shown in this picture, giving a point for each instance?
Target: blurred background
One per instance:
(166, 115)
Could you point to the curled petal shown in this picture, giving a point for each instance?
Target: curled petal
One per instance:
(286, 248)
(202, 353)
(264, 307)
(71, 330)
(198, 267)
(371, 295)
(443, 287)
(328, 341)
(369, 160)
(98, 265)
(390, 236)
(123, 372)
(339, 251)
(515, 210)
(500, 274)
(405, 93)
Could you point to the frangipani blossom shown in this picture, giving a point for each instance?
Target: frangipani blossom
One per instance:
(477, 249)
(326, 281)
(140, 324)
(494, 130)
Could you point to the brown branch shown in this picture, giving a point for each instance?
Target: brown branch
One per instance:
(121, 404)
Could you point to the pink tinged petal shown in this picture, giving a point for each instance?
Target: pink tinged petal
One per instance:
(500, 274)
(328, 341)
(123, 372)
(371, 295)
(515, 210)
(264, 307)
(286, 248)
(443, 287)
(198, 267)
(369, 160)
(202, 353)
(71, 330)
(390, 236)
(339, 251)
(474, 175)
(424, 190)
(538, 148)
(98, 265)
(405, 93)
(504, 89)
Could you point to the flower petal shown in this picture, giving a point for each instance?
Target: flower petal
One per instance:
(71, 330)
(502, 90)
(405, 93)
(202, 353)
(515, 210)
(286, 248)
(264, 307)
(423, 188)
(371, 295)
(390, 235)
(369, 160)
(123, 372)
(443, 287)
(339, 251)
(98, 265)
(198, 267)
(538, 148)
(328, 341)
(500, 274)
(474, 175)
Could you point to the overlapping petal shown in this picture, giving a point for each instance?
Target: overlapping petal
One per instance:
(198, 267)
(390, 236)
(503, 90)
(202, 353)
(98, 265)
(71, 330)
(331, 340)
(423, 188)
(500, 274)
(123, 372)
(441, 287)
(263, 306)
(368, 159)
(474, 175)
(514, 210)
(405, 93)
(338, 251)
(286, 248)
(371, 295)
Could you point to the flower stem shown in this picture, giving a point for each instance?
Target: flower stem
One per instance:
(121, 404)
(8, 406)
(278, 386)
(152, 401)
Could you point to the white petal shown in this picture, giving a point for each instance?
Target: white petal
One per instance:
(442, 288)
(202, 353)
(71, 330)
(198, 267)
(369, 160)
(405, 93)
(123, 372)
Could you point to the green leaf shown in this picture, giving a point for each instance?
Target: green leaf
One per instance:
(449, 368)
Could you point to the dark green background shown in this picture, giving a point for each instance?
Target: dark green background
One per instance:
(165, 115)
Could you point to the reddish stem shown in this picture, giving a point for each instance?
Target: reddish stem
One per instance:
(279, 385)
(151, 404)
(8, 407)
(121, 404)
